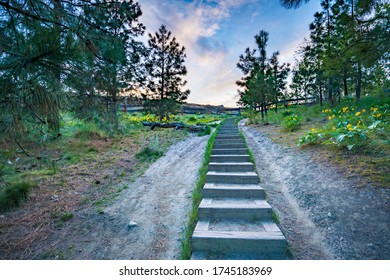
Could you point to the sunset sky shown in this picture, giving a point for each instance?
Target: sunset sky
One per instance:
(216, 32)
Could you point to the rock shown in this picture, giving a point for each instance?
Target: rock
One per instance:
(341, 238)
(2, 216)
(370, 245)
(131, 225)
(329, 215)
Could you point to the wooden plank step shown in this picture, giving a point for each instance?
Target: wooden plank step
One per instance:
(234, 209)
(232, 151)
(232, 177)
(272, 243)
(211, 190)
(229, 158)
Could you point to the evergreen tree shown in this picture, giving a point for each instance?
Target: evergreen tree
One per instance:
(165, 70)
(50, 52)
(264, 80)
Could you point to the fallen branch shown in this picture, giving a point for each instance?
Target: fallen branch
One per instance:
(175, 125)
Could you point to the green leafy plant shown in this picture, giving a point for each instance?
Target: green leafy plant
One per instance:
(291, 122)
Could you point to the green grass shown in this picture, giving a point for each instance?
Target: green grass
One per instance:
(196, 199)
(14, 194)
(148, 154)
(275, 217)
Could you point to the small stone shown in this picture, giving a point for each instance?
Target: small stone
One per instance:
(341, 238)
(370, 245)
(329, 215)
(131, 225)
(2, 217)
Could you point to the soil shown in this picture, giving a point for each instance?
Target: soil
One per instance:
(323, 214)
(142, 217)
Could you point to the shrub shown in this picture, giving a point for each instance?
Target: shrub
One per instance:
(14, 194)
(286, 113)
(192, 119)
(206, 131)
(291, 122)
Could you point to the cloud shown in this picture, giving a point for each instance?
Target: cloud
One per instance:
(210, 64)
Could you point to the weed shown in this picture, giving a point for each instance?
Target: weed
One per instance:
(291, 122)
(206, 131)
(14, 194)
(275, 217)
(89, 131)
(148, 154)
(66, 216)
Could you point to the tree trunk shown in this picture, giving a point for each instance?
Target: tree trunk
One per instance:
(53, 115)
(330, 92)
(320, 94)
(345, 86)
(359, 81)
(262, 111)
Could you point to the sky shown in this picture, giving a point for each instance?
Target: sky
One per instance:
(216, 32)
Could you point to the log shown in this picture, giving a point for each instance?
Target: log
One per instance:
(175, 125)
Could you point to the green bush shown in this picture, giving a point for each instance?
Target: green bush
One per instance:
(192, 119)
(14, 194)
(291, 122)
(206, 131)
(286, 113)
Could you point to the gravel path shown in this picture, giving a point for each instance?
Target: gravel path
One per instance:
(158, 202)
(322, 215)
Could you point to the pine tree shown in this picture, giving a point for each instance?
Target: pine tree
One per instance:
(165, 70)
(50, 51)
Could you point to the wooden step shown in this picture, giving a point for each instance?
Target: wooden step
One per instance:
(232, 191)
(234, 209)
(232, 177)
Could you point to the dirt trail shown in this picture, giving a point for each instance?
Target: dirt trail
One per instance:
(323, 215)
(158, 202)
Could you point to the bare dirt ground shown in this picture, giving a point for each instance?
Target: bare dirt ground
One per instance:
(322, 214)
(158, 202)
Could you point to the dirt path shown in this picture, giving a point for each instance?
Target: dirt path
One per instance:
(323, 215)
(158, 202)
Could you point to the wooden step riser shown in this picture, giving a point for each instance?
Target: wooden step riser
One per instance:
(232, 193)
(234, 213)
(229, 146)
(232, 158)
(234, 151)
(238, 167)
(234, 179)
(272, 247)
(228, 137)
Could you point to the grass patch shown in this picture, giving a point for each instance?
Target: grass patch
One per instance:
(186, 247)
(14, 194)
(148, 154)
(89, 131)
(275, 217)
